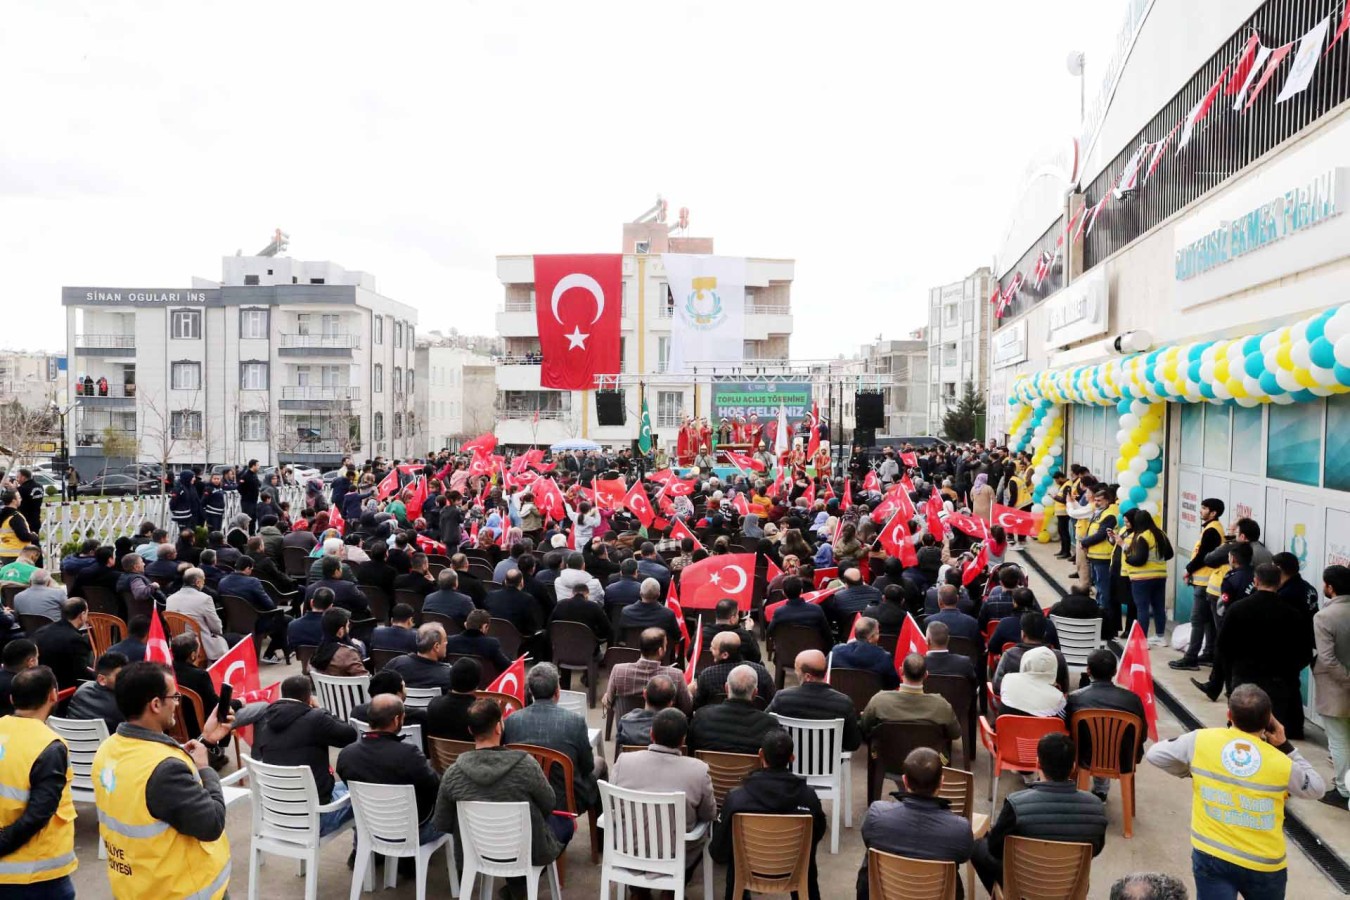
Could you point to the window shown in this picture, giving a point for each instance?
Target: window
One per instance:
(1294, 449)
(1247, 426)
(411, 374)
(253, 324)
(662, 354)
(949, 392)
(250, 280)
(185, 324)
(1216, 452)
(330, 325)
(302, 323)
(253, 426)
(949, 354)
(949, 315)
(379, 426)
(316, 281)
(253, 376)
(668, 405)
(377, 326)
(398, 334)
(398, 380)
(185, 376)
(398, 425)
(377, 380)
(185, 424)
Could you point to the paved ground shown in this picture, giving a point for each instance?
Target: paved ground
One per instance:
(1160, 839)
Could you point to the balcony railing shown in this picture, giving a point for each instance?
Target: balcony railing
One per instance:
(768, 309)
(320, 392)
(105, 342)
(321, 341)
(525, 359)
(119, 391)
(84, 438)
(319, 446)
(555, 415)
(518, 306)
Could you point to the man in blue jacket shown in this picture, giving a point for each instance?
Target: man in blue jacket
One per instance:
(864, 652)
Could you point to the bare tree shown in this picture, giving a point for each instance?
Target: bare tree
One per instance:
(25, 430)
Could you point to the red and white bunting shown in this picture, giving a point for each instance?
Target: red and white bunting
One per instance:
(1275, 57)
(1200, 110)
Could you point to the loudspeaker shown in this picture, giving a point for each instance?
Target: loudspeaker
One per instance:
(609, 408)
(865, 437)
(869, 409)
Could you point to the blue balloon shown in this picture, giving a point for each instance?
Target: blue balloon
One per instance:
(1138, 493)
(1318, 326)
(1148, 479)
(1123, 407)
(1270, 384)
(1322, 352)
(1126, 506)
(1206, 391)
(1254, 365)
(1251, 345)
(1303, 396)
(1155, 465)
(1193, 371)
(1342, 374)
(1193, 354)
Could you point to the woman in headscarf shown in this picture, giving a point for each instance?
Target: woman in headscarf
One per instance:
(824, 555)
(237, 536)
(750, 526)
(982, 497)
(1031, 690)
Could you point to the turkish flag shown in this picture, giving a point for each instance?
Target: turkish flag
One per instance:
(871, 482)
(484, 443)
(512, 681)
(906, 483)
(848, 494)
(428, 546)
(1136, 674)
(663, 476)
(976, 528)
(1015, 521)
(740, 504)
(909, 459)
(679, 531)
(975, 568)
(744, 461)
(814, 597)
(895, 540)
(639, 505)
(418, 498)
(335, 520)
(156, 646)
(609, 492)
(388, 487)
(729, 576)
(481, 464)
(239, 669)
(691, 666)
(810, 493)
(933, 509)
(673, 604)
(776, 488)
(911, 640)
(677, 488)
(578, 304)
(548, 497)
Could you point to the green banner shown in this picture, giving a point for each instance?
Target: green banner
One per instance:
(733, 399)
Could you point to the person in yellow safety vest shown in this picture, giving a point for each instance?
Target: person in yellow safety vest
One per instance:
(1201, 577)
(1240, 777)
(14, 531)
(1058, 494)
(1098, 545)
(161, 813)
(1144, 561)
(1080, 510)
(37, 816)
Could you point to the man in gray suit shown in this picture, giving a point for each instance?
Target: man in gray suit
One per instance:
(546, 724)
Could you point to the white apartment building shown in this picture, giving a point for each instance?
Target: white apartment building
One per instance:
(527, 414)
(899, 369)
(458, 391)
(282, 360)
(31, 379)
(959, 322)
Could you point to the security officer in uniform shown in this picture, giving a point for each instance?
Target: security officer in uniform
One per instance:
(1204, 584)
(37, 815)
(1241, 776)
(161, 812)
(31, 497)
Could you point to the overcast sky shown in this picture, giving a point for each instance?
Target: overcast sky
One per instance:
(881, 145)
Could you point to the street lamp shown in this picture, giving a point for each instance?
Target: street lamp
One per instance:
(1074, 63)
(57, 410)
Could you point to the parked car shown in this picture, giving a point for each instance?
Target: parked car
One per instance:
(117, 485)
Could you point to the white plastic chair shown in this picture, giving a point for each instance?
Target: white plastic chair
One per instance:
(420, 697)
(818, 745)
(83, 738)
(1077, 638)
(411, 733)
(286, 813)
(573, 700)
(341, 694)
(386, 822)
(497, 843)
(646, 842)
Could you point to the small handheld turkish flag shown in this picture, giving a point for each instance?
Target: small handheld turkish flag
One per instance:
(156, 647)
(692, 663)
(1016, 521)
(512, 681)
(679, 531)
(608, 492)
(895, 540)
(639, 505)
(969, 525)
(934, 517)
(814, 597)
(1136, 674)
(729, 576)
(740, 504)
(673, 604)
(484, 443)
(335, 520)
(975, 568)
(871, 482)
(848, 494)
(911, 640)
(418, 499)
(909, 459)
(387, 487)
(744, 461)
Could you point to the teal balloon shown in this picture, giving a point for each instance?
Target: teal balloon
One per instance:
(1318, 327)
(1322, 352)
(1148, 479)
(1138, 493)
(1126, 506)
(1193, 371)
(1155, 465)
(1252, 345)
(1303, 396)
(1270, 384)
(1254, 365)
(1342, 374)
(1123, 407)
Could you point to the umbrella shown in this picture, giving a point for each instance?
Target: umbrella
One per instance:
(574, 444)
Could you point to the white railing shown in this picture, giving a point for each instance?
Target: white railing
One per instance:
(527, 359)
(325, 341)
(530, 414)
(518, 306)
(105, 342)
(767, 309)
(320, 392)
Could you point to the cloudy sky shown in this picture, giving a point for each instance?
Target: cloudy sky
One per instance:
(880, 144)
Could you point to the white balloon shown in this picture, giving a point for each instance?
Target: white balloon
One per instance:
(1282, 399)
(1128, 479)
(1054, 412)
(1138, 407)
(1138, 464)
(1129, 421)
(1056, 450)
(1269, 340)
(1221, 391)
(1150, 450)
(1235, 354)
(1298, 352)
(1122, 436)
(1321, 391)
(1036, 507)
(1324, 377)
(1247, 402)
(1150, 507)
(1342, 350)
(1287, 380)
(1207, 370)
(1338, 326)
(1253, 386)
(1040, 431)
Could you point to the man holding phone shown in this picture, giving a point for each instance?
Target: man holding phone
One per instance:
(1242, 775)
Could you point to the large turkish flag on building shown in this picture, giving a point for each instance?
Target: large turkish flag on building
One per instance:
(578, 306)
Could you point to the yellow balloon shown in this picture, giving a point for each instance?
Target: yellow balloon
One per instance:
(1283, 358)
(1122, 465)
(1235, 387)
(1304, 378)
(1221, 370)
(1128, 450)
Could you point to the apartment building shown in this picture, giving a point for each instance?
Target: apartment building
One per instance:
(959, 322)
(459, 389)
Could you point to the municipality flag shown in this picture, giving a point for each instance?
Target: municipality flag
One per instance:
(708, 323)
(645, 434)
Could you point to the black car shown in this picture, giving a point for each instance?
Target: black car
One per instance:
(120, 486)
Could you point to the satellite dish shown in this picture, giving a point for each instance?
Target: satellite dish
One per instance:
(1074, 62)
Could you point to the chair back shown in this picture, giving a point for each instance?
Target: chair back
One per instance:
(420, 697)
(1107, 740)
(1045, 870)
(616, 656)
(958, 789)
(507, 635)
(83, 738)
(859, 685)
(632, 637)
(100, 600)
(960, 694)
(573, 700)
(817, 744)
(30, 623)
(437, 561)
(495, 837)
(285, 805)
(341, 694)
(1077, 638)
(488, 669)
(380, 602)
(193, 701)
(887, 640)
(507, 702)
(177, 623)
(480, 569)
(444, 752)
(965, 647)
(304, 653)
(241, 615)
(451, 625)
(644, 831)
(549, 760)
(891, 877)
(1017, 737)
(136, 607)
(410, 733)
(104, 631)
(387, 815)
(574, 644)
(295, 561)
(381, 658)
(893, 741)
(728, 770)
(772, 853)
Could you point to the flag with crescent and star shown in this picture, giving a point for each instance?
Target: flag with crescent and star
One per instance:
(729, 576)
(1016, 521)
(578, 304)
(239, 669)
(512, 681)
(645, 432)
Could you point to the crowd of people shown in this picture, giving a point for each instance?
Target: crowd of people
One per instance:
(417, 573)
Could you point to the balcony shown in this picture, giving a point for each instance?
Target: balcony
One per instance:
(116, 395)
(518, 373)
(329, 345)
(122, 345)
(313, 396)
(528, 415)
(322, 451)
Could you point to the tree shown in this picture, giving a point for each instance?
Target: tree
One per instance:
(24, 431)
(965, 421)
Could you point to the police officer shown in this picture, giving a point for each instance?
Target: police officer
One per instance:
(37, 815)
(1241, 776)
(31, 495)
(161, 811)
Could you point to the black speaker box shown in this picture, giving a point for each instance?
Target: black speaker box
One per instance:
(870, 412)
(865, 437)
(609, 408)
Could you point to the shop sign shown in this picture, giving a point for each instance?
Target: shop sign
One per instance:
(1079, 311)
(1010, 344)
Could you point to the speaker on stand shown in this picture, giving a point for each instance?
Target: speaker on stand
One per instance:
(609, 408)
(869, 410)
(865, 437)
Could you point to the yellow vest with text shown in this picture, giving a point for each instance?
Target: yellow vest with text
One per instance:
(10, 542)
(1216, 576)
(1237, 813)
(1103, 549)
(1059, 492)
(146, 857)
(1202, 576)
(1154, 567)
(50, 853)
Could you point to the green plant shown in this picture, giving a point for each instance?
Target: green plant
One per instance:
(965, 421)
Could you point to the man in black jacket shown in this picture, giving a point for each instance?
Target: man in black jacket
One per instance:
(580, 608)
(515, 606)
(813, 698)
(1052, 809)
(852, 599)
(474, 641)
(774, 790)
(381, 756)
(64, 646)
(469, 584)
(734, 726)
(651, 612)
(624, 590)
(448, 714)
(418, 579)
(796, 611)
(728, 618)
(295, 731)
(1103, 693)
(345, 594)
(940, 660)
(375, 571)
(890, 612)
(447, 599)
(102, 573)
(249, 487)
(726, 653)
(426, 667)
